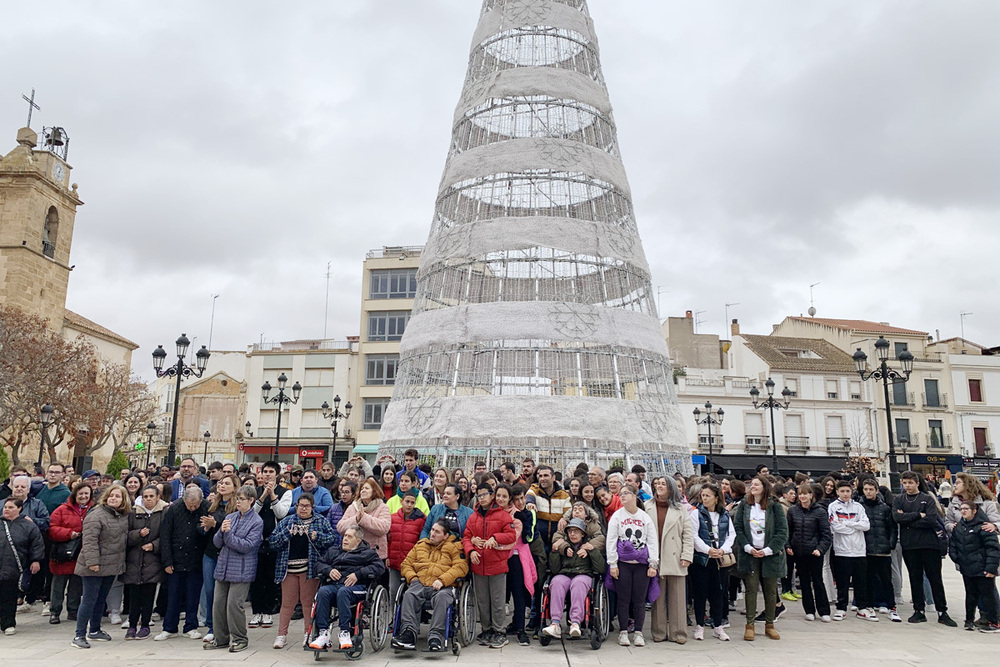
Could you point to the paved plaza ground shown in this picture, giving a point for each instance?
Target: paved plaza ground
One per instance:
(851, 642)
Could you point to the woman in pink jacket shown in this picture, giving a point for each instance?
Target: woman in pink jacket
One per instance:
(371, 513)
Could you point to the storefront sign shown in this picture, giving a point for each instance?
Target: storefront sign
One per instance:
(312, 453)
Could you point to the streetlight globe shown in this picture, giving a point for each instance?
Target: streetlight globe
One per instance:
(201, 358)
(770, 386)
(266, 390)
(207, 435)
(906, 358)
(860, 361)
(721, 413)
(182, 344)
(336, 401)
(159, 356)
(347, 409)
(882, 348)
(282, 381)
(325, 407)
(46, 417)
(754, 393)
(296, 391)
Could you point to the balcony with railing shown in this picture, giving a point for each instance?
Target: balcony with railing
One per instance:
(902, 400)
(49, 249)
(934, 401)
(797, 444)
(757, 444)
(932, 442)
(835, 446)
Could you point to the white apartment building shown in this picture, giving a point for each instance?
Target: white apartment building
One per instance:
(389, 286)
(828, 418)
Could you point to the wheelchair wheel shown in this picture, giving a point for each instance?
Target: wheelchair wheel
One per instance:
(595, 641)
(356, 651)
(379, 615)
(456, 647)
(602, 611)
(544, 639)
(467, 615)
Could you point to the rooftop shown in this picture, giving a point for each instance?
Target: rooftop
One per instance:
(862, 326)
(78, 321)
(800, 354)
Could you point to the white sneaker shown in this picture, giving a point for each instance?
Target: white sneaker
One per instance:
(699, 632)
(210, 637)
(193, 634)
(124, 625)
(279, 641)
(114, 618)
(720, 634)
(854, 607)
(883, 610)
(322, 640)
(254, 621)
(825, 618)
(638, 639)
(10, 631)
(895, 617)
(839, 615)
(24, 606)
(155, 617)
(553, 630)
(266, 621)
(164, 636)
(45, 609)
(868, 614)
(345, 640)
(810, 617)
(623, 638)
(574, 630)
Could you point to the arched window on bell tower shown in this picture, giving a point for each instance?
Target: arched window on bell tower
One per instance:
(50, 232)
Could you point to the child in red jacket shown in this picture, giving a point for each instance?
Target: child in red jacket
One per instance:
(489, 526)
(407, 522)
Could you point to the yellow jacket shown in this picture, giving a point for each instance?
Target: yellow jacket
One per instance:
(427, 562)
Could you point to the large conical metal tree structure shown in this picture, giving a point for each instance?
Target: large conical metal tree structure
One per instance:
(534, 331)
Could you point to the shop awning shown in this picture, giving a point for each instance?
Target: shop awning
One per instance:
(365, 449)
(811, 465)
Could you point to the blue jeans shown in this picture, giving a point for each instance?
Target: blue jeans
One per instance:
(95, 596)
(208, 586)
(346, 597)
(182, 587)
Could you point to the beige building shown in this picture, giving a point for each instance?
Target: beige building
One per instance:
(38, 207)
(389, 285)
(690, 349)
(923, 408)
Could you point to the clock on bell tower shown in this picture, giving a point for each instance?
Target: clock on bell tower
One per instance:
(37, 211)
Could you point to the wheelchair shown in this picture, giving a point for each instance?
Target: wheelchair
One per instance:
(370, 615)
(596, 612)
(460, 626)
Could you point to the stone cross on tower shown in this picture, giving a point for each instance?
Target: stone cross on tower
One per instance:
(31, 105)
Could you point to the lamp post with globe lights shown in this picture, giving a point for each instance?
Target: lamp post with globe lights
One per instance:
(180, 370)
(888, 376)
(335, 417)
(771, 404)
(711, 417)
(281, 400)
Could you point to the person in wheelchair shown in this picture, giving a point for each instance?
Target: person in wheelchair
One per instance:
(574, 567)
(430, 570)
(351, 567)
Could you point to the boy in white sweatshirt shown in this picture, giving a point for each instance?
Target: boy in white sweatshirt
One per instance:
(849, 522)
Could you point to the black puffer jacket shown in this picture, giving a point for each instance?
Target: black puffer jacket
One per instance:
(182, 541)
(881, 538)
(809, 530)
(28, 544)
(974, 551)
(363, 562)
(141, 566)
(915, 531)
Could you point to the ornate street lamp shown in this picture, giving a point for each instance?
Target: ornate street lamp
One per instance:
(280, 400)
(335, 416)
(771, 404)
(150, 432)
(179, 370)
(888, 376)
(44, 419)
(206, 436)
(711, 417)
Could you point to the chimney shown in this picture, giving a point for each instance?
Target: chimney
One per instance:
(735, 327)
(688, 314)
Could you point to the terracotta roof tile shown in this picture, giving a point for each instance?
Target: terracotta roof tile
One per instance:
(831, 359)
(864, 326)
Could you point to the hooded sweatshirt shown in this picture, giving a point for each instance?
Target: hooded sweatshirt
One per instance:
(848, 522)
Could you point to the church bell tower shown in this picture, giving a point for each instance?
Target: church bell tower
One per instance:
(37, 209)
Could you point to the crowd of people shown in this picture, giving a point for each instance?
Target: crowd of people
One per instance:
(162, 545)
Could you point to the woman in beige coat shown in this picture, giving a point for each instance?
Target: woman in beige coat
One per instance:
(673, 524)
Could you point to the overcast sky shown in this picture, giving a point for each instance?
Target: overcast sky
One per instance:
(238, 147)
